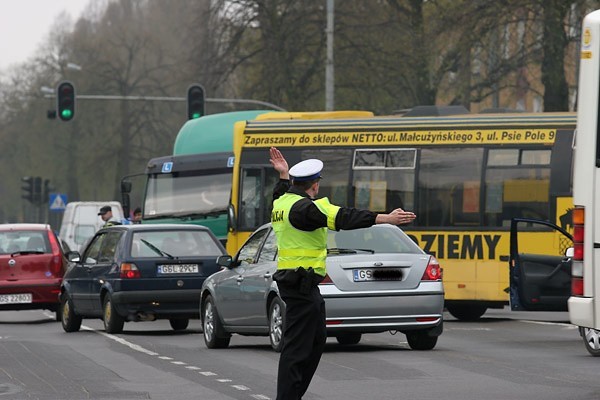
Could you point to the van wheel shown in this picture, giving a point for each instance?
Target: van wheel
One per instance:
(113, 322)
(591, 340)
(215, 336)
(179, 324)
(70, 321)
(466, 312)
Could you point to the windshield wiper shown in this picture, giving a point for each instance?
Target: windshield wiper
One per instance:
(337, 250)
(199, 214)
(156, 249)
(213, 213)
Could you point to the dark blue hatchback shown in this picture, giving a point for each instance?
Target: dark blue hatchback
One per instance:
(139, 273)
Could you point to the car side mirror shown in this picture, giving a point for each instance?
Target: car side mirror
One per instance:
(570, 252)
(73, 256)
(225, 261)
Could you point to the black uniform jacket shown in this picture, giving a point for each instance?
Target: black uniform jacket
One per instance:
(306, 216)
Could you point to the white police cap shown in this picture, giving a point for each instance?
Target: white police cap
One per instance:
(307, 170)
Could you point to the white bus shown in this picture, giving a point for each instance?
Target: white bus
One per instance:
(584, 303)
(540, 281)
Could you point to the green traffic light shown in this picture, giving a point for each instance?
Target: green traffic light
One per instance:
(196, 115)
(66, 114)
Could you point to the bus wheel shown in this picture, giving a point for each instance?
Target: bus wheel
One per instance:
(466, 312)
(591, 339)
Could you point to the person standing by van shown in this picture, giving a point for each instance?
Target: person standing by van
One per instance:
(109, 220)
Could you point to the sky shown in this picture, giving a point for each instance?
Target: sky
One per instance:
(25, 24)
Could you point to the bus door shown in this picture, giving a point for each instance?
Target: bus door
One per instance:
(540, 280)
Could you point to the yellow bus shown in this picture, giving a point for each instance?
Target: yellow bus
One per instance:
(465, 176)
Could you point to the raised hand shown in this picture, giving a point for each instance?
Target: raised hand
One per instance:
(279, 163)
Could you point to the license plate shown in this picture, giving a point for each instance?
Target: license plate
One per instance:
(178, 269)
(15, 298)
(370, 274)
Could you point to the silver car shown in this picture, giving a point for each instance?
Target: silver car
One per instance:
(377, 280)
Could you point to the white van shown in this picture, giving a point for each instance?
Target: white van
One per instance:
(81, 220)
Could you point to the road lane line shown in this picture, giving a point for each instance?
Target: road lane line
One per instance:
(570, 326)
(143, 350)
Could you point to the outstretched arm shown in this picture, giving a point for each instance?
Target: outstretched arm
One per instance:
(279, 163)
(396, 217)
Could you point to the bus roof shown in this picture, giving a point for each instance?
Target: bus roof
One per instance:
(383, 122)
(211, 133)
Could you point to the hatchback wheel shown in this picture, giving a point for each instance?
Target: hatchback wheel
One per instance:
(420, 340)
(276, 322)
(179, 324)
(348, 338)
(215, 336)
(591, 339)
(113, 322)
(70, 321)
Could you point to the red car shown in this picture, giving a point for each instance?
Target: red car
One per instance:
(32, 265)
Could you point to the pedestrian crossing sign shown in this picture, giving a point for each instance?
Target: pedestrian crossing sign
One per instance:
(58, 202)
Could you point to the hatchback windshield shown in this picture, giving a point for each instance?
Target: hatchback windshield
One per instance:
(24, 241)
(176, 243)
(379, 239)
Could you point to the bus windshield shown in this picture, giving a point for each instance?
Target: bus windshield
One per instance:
(192, 193)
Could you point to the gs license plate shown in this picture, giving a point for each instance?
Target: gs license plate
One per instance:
(177, 269)
(370, 274)
(21, 298)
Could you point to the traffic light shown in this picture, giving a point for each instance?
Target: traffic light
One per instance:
(37, 190)
(195, 101)
(65, 104)
(46, 192)
(27, 188)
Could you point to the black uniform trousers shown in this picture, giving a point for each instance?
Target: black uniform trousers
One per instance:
(304, 338)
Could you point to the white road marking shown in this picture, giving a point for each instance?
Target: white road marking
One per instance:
(141, 349)
(569, 326)
(124, 342)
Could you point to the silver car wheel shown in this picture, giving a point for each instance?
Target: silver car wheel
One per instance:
(209, 322)
(276, 324)
(591, 339)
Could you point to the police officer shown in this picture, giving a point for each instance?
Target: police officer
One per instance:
(300, 222)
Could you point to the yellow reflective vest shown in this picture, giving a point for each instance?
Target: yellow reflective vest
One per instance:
(297, 248)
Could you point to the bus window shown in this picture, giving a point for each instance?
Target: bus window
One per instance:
(384, 179)
(336, 167)
(256, 197)
(448, 186)
(517, 183)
